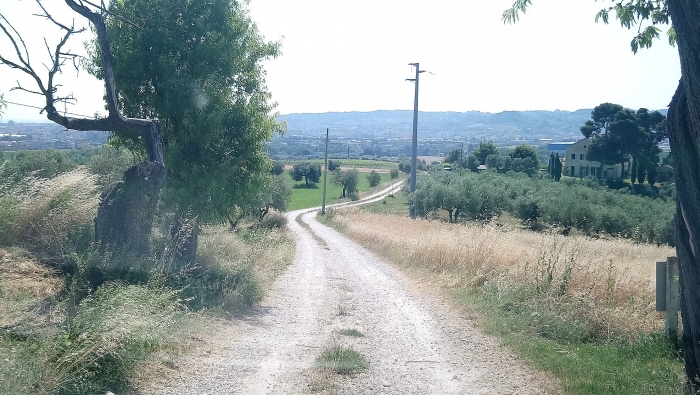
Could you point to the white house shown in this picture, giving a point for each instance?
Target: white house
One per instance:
(577, 165)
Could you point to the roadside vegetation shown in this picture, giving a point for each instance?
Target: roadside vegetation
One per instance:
(79, 319)
(350, 162)
(580, 307)
(540, 203)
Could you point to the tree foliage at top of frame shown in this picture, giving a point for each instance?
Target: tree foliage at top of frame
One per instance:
(646, 15)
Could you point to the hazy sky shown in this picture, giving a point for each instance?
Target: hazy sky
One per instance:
(340, 55)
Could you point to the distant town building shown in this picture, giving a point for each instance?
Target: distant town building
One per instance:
(559, 147)
(577, 164)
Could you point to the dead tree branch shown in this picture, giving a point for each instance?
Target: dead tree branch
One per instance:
(148, 130)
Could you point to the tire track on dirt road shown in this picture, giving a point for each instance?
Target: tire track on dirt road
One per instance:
(416, 343)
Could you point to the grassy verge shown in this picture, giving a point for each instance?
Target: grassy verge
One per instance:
(577, 307)
(79, 319)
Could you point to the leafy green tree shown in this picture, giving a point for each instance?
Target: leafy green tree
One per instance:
(525, 151)
(494, 161)
(473, 163)
(277, 168)
(557, 168)
(641, 171)
(441, 192)
(651, 175)
(405, 166)
(485, 149)
(347, 179)
(454, 156)
(601, 117)
(684, 137)
(507, 162)
(394, 174)
(307, 171)
(528, 210)
(276, 195)
(197, 67)
(332, 165)
(374, 179)
(616, 135)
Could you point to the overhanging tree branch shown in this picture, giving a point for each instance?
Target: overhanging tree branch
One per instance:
(147, 130)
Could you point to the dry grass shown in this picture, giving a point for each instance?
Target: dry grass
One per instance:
(608, 282)
(49, 208)
(24, 285)
(266, 254)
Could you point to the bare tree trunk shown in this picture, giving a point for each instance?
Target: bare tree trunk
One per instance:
(684, 136)
(125, 214)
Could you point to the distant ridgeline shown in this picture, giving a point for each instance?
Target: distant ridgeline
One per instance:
(470, 126)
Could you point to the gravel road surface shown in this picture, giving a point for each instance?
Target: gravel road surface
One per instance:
(415, 340)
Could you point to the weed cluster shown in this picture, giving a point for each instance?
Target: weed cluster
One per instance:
(342, 360)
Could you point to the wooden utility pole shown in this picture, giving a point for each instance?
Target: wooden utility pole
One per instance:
(325, 175)
(414, 148)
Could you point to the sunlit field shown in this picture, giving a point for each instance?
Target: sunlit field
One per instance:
(612, 280)
(580, 308)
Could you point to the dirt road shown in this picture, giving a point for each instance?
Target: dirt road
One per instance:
(415, 342)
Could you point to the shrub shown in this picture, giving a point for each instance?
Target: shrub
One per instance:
(43, 164)
(354, 196)
(374, 179)
(277, 168)
(110, 164)
(394, 173)
(332, 165)
(273, 220)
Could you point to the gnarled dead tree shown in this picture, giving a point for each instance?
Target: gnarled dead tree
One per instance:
(125, 214)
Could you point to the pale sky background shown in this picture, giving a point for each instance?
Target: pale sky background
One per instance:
(340, 55)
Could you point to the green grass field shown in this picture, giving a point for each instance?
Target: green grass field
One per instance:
(303, 197)
(396, 205)
(370, 164)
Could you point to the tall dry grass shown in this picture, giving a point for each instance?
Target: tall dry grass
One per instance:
(607, 285)
(238, 268)
(52, 215)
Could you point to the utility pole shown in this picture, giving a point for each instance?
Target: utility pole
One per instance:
(414, 148)
(325, 175)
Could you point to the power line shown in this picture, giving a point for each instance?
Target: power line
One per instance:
(42, 108)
